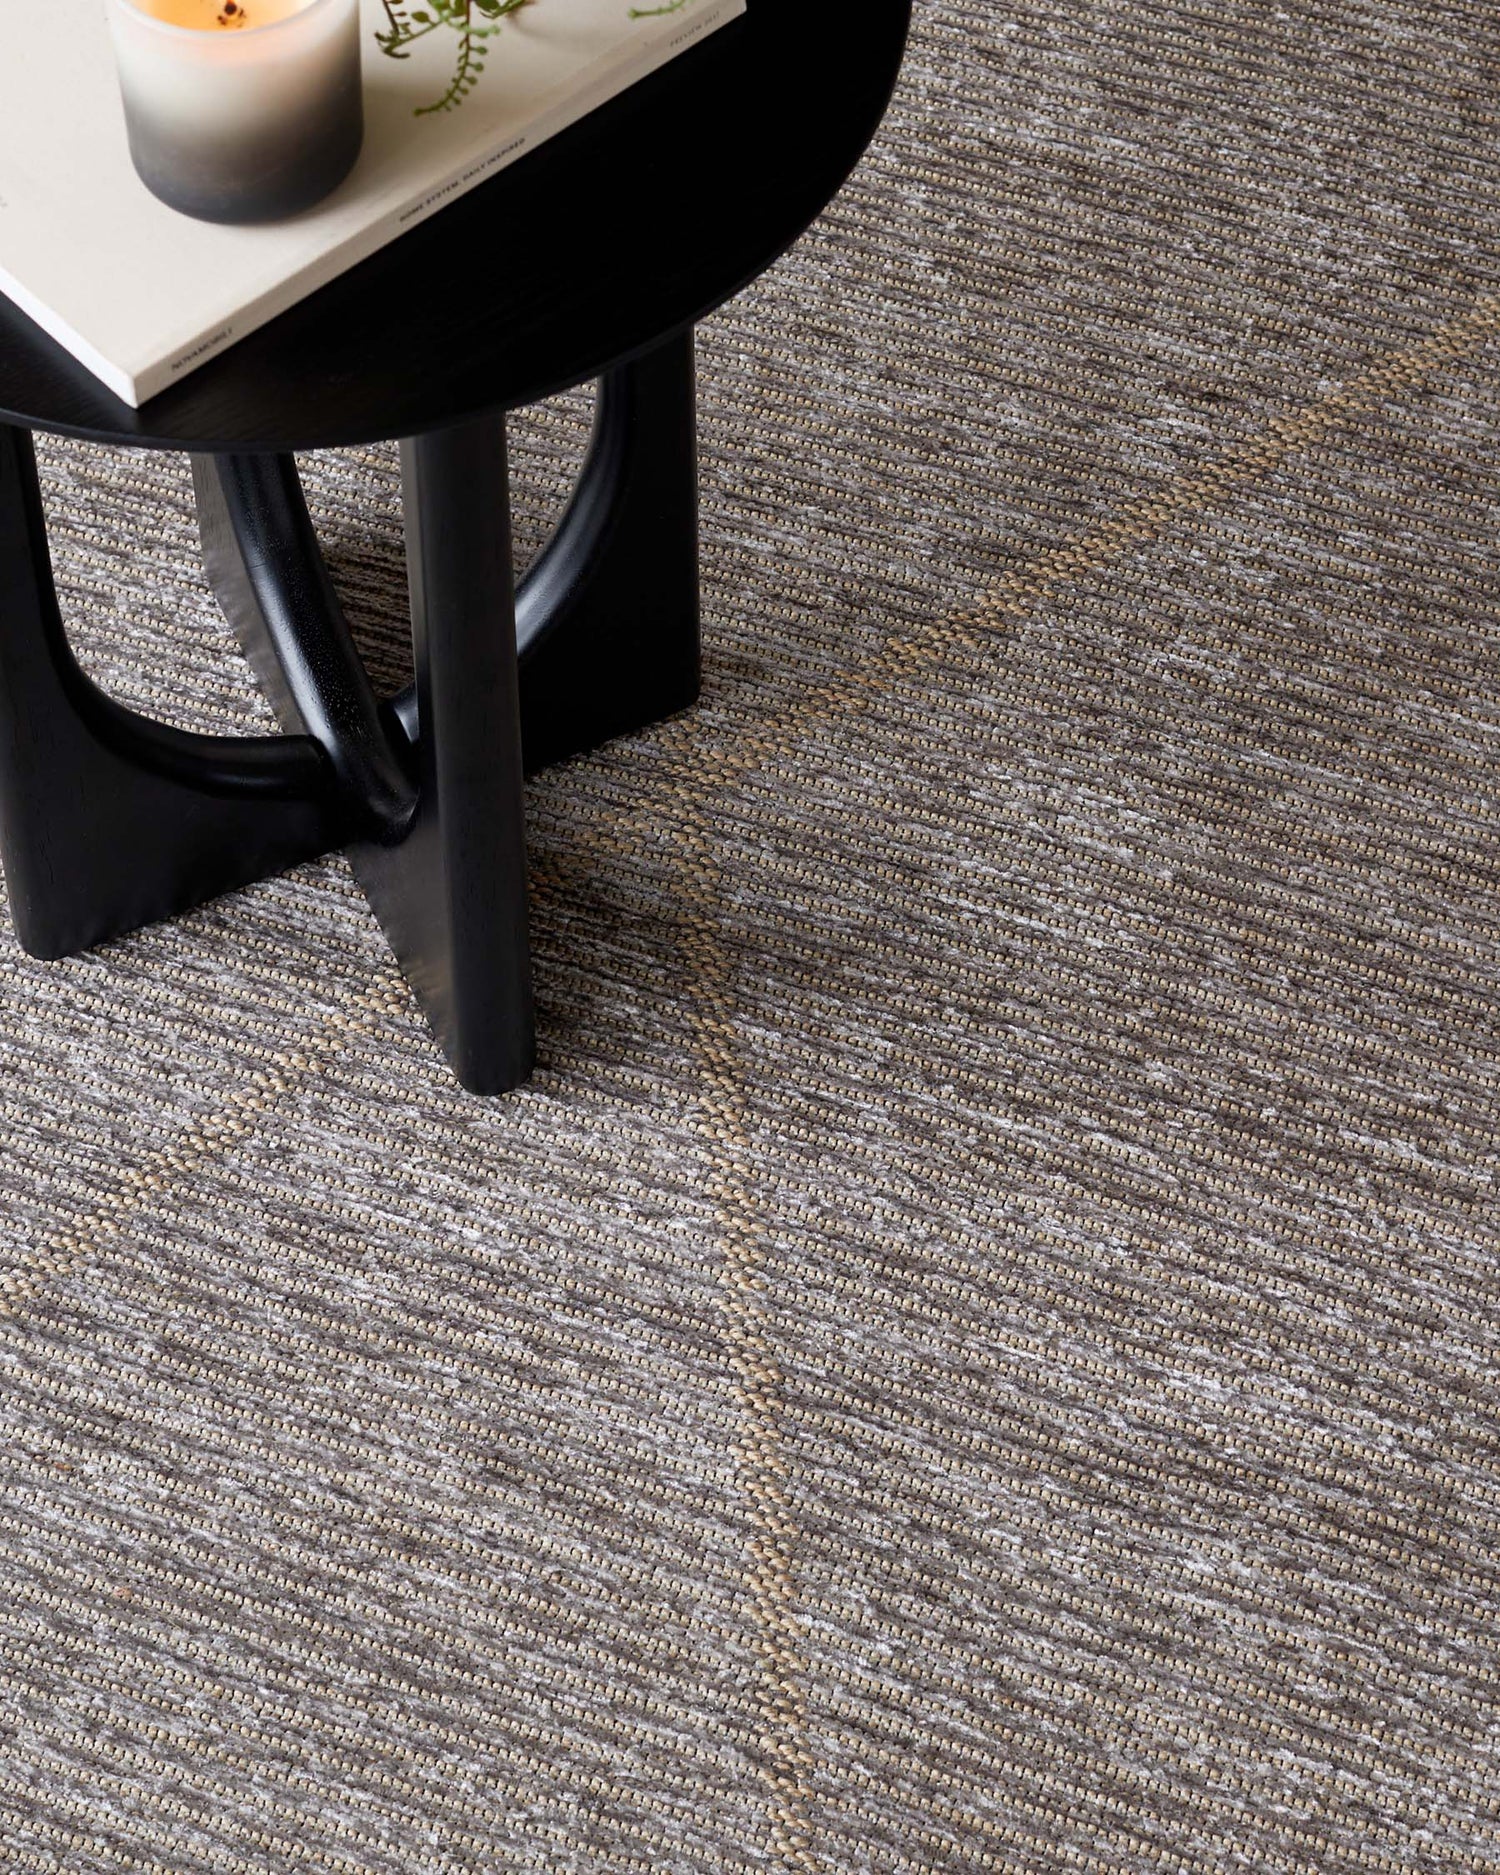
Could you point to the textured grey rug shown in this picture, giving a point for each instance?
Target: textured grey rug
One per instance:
(978, 1347)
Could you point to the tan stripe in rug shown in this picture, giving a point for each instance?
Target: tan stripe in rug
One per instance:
(787, 1762)
(771, 1580)
(197, 1145)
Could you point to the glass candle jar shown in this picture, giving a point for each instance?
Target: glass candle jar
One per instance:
(240, 110)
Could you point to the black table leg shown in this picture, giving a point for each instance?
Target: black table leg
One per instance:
(108, 820)
(440, 850)
(607, 620)
(452, 894)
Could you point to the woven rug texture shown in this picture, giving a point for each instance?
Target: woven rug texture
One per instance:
(978, 1349)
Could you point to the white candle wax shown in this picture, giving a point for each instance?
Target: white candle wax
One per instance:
(240, 110)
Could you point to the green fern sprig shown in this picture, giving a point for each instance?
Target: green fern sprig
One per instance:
(411, 20)
(475, 21)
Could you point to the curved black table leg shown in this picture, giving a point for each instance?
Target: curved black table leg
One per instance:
(440, 850)
(107, 819)
(265, 565)
(605, 631)
(607, 619)
(607, 624)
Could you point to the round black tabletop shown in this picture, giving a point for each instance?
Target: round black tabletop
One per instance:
(622, 230)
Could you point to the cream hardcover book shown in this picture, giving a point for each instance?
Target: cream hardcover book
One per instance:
(142, 295)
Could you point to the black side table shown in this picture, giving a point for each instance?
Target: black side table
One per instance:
(592, 258)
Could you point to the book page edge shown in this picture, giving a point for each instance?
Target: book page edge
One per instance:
(115, 377)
